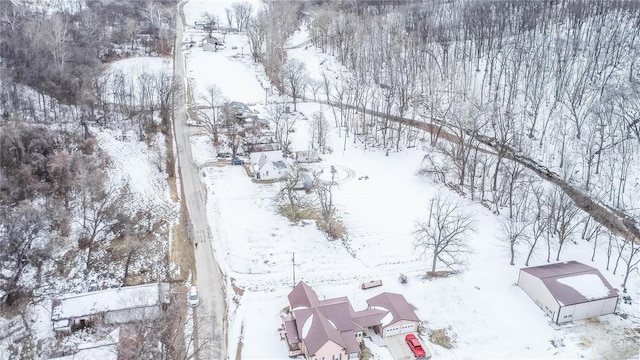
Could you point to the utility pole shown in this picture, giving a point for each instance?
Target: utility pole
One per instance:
(293, 262)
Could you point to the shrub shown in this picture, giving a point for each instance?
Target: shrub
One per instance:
(441, 338)
(403, 279)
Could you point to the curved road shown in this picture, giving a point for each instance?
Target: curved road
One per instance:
(210, 320)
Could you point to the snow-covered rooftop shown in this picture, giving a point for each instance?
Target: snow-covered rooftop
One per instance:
(588, 285)
(130, 297)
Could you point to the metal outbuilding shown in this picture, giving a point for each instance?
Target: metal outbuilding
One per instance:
(569, 291)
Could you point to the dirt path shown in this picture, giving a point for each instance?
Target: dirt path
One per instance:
(614, 220)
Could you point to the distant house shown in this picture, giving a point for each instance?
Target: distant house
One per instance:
(211, 44)
(307, 156)
(111, 306)
(269, 165)
(568, 291)
(328, 329)
(240, 110)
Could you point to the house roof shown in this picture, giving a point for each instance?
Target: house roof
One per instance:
(338, 311)
(572, 282)
(302, 296)
(320, 321)
(274, 155)
(279, 164)
(94, 302)
(316, 330)
(396, 304)
(367, 318)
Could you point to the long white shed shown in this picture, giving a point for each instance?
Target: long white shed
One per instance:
(569, 291)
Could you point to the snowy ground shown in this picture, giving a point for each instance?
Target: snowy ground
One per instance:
(487, 315)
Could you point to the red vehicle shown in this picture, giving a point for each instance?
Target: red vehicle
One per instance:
(415, 345)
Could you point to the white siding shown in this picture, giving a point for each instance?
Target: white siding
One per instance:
(407, 328)
(609, 305)
(539, 293)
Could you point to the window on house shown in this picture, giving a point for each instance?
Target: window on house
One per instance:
(337, 357)
(353, 356)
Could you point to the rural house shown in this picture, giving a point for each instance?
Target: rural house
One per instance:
(568, 291)
(331, 329)
(111, 306)
(269, 165)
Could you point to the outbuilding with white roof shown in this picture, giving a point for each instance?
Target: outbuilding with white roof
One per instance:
(569, 291)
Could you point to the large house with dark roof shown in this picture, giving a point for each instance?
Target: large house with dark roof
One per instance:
(569, 291)
(331, 329)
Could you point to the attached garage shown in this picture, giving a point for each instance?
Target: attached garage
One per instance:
(400, 318)
(392, 330)
(569, 291)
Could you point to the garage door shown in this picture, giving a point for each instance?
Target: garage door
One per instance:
(407, 328)
(392, 331)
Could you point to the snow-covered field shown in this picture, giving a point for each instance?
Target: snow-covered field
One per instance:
(487, 315)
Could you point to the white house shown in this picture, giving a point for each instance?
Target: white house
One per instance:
(307, 156)
(568, 291)
(111, 306)
(269, 165)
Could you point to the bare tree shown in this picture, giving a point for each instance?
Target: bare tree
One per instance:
(513, 232)
(104, 208)
(294, 78)
(445, 233)
(209, 22)
(324, 191)
(229, 15)
(20, 227)
(319, 131)
(242, 12)
(211, 120)
(290, 195)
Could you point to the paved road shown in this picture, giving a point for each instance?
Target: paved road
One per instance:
(210, 324)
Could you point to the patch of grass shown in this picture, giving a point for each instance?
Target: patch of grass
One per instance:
(334, 228)
(440, 337)
(302, 213)
(438, 274)
(365, 353)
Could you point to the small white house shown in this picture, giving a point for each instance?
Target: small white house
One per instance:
(269, 165)
(307, 156)
(568, 291)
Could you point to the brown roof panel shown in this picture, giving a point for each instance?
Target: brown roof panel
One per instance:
(368, 318)
(561, 268)
(302, 296)
(396, 304)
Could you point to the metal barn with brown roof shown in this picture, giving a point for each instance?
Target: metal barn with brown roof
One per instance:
(569, 291)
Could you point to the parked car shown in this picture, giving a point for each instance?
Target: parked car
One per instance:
(236, 161)
(193, 298)
(415, 346)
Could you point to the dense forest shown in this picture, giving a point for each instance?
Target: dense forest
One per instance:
(531, 106)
